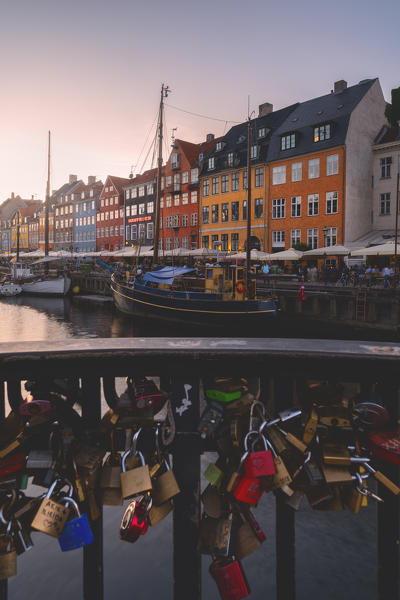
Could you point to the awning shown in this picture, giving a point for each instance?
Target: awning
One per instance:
(290, 254)
(166, 275)
(381, 250)
(336, 250)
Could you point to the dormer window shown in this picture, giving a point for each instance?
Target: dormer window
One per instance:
(322, 132)
(254, 152)
(175, 160)
(201, 156)
(288, 141)
(262, 132)
(230, 159)
(211, 164)
(218, 147)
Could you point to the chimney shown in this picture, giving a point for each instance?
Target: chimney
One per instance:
(339, 86)
(91, 179)
(210, 137)
(73, 178)
(12, 195)
(265, 109)
(33, 197)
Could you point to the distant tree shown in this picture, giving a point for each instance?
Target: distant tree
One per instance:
(392, 111)
(301, 247)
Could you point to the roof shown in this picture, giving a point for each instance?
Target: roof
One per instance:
(192, 151)
(118, 182)
(149, 175)
(166, 275)
(29, 210)
(388, 135)
(335, 108)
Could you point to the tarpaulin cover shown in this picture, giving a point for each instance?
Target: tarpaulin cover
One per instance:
(166, 275)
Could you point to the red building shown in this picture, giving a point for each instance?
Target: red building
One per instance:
(179, 210)
(110, 216)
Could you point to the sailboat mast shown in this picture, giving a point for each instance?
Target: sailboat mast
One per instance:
(47, 205)
(164, 94)
(248, 249)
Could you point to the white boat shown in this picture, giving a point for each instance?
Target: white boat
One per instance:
(10, 289)
(49, 286)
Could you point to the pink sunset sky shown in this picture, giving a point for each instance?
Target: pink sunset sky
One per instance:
(90, 71)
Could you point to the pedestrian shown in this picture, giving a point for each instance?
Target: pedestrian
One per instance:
(387, 276)
(265, 268)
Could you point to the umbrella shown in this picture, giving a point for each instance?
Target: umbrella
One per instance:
(290, 254)
(254, 255)
(381, 250)
(177, 252)
(202, 252)
(336, 250)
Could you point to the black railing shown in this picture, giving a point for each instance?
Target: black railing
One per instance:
(281, 363)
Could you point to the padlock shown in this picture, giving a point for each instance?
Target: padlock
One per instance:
(223, 536)
(319, 494)
(165, 486)
(212, 502)
(248, 490)
(351, 497)
(110, 481)
(39, 459)
(89, 458)
(223, 396)
(293, 440)
(78, 483)
(335, 474)
(207, 533)
(335, 503)
(281, 478)
(12, 463)
(210, 419)
(8, 555)
(146, 394)
(385, 445)
(392, 487)
(51, 516)
(334, 416)
(158, 513)
(136, 480)
(77, 532)
(230, 579)
(213, 474)
(257, 415)
(135, 521)
(258, 463)
(310, 428)
(248, 535)
(21, 537)
(295, 500)
(34, 406)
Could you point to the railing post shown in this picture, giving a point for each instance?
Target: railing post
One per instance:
(93, 579)
(388, 518)
(285, 515)
(3, 582)
(186, 462)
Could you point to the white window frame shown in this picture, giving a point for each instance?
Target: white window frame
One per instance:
(332, 203)
(297, 171)
(279, 175)
(313, 205)
(313, 168)
(295, 207)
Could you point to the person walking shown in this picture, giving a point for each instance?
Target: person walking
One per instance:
(387, 275)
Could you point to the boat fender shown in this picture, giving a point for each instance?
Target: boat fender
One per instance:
(240, 286)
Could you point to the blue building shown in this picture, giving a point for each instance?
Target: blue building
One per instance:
(6, 237)
(86, 205)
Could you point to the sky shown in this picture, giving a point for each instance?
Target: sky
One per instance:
(91, 71)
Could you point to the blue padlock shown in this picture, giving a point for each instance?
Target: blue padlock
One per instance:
(77, 532)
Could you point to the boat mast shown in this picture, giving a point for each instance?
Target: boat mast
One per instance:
(164, 94)
(18, 234)
(248, 250)
(47, 205)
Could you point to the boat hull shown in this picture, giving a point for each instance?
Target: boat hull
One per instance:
(58, 286)
(190, 310)
(10, 289)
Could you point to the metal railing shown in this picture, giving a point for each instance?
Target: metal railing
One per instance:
(281, 364)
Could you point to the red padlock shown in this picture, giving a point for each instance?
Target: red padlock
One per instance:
(135, 520)
(230, 579)
(248, 490)
(386, 445)
(34, 406)
(12, 463)
(258, 463)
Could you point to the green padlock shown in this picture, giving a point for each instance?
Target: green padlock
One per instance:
(221, 396)
(213, 474)
(23, 481)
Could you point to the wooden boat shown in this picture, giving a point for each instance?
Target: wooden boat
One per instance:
(180, 295)
(9, 289)
(30, 283)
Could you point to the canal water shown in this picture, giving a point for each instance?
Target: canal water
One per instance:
(336, 556)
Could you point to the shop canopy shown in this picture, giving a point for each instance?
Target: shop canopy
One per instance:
(254, 255)
(335, 250)
(290, 254)
(387, 249)
(166, 275)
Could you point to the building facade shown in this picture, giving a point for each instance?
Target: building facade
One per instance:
(110, 216)
(42, 229)
(64, 202)
(140, 198)
(20, 222)
(384, 180)
(86, 206)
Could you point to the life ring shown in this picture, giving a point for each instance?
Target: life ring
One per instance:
(240, 286)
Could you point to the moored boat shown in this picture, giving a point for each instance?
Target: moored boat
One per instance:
(10, 289)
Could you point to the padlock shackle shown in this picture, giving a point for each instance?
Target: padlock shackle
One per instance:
(264, 439)
(69, 500)
(7, 505)
(125, 456)
(254, 432)
(134, 440)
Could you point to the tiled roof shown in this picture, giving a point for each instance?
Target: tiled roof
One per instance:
(119, 182)
(29, 210)
(388, 135)
(145, 177)
(192, 151)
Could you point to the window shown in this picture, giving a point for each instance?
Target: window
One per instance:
(245, 180)
(279, 208)
(258, 208)
(142, 231)
(224, 212)
(150, 231)
(313, 168)
(224, 184)
(296, 171)
(193, 197)
(230, 159)
(332, 164)
(92, 219)
(174, 160)
(384, 205)
(111, 214)
(106, 202)
(185, 241)
(235, 211)
(259, 177)
(313, 201)
(206, 214)
(185, 220)
(150, 188)
(185, 177)
(141, 209)
(168, 202)
(214, 213)
(386, 164)
(331, 203)
(177, 182)
(176, 200)
(176, 242)
(330, 236)
(168, 180)
(215, 186)
(102, 216)
(244, 211)
(193, 219)
(278, 238)
(206, 187)
(168, 244)
(106, 232)
(322, 132)
(127, 232)
(107, 216)
(134, 210)
(312, 238)
(194, 175)
(134, 192)
(254, 152)
(225, 241)
(235, 182)
(261, 132)
(288, 141)
(128, 211)
(205, 241)
(211, 164)
(218, 147)
(214, 238)
(150, 207)
(234, 242)
(295, 237)
(76, 222)
(111, 231)
(296, 206)
(278, 175)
